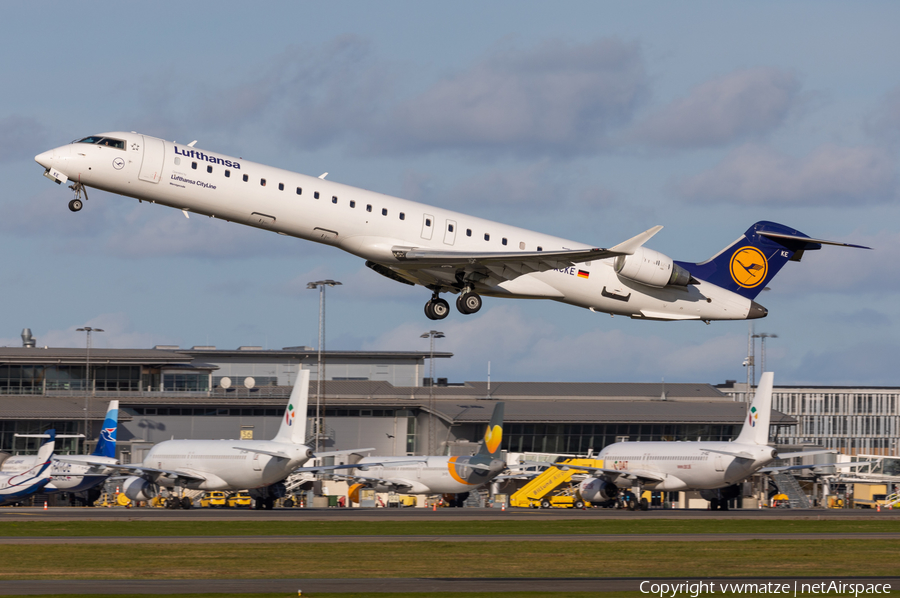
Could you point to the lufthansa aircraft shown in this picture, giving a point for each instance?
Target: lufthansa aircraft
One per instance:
(442, 250)
(437, 474)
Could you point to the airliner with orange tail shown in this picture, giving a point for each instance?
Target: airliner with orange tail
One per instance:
(434, 474)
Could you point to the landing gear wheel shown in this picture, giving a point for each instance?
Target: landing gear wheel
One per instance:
(644, 504)
(288, 503)
(468, 303)
(269, 504)
(75, 205)
(186, 502)
(437, 309)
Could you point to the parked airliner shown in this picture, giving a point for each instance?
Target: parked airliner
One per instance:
(76, 473)
(15, 487)
(679, 466)
(258, 465)
(437, 474)
(442, 250)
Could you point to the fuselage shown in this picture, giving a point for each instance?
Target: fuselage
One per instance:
(19, 485)
(433, 475)
(367, 224)
(68, 475)
(226, 464)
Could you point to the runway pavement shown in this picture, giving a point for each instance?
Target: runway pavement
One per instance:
(378, 586)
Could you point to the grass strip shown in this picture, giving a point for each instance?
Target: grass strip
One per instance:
(439, 528)
(754, 558)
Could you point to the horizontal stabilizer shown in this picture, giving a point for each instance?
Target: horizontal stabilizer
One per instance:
(775, 235)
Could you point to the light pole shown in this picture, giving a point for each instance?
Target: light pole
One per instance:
(88, 387)
(432, 334)
(762, 350)
(320, 373)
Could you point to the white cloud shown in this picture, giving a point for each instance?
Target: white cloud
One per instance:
(830, 175)
(742, 104)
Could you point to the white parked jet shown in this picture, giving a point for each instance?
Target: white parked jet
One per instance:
(15, 487)
(679, 466)
(76, 473)
(437, 474)
(258, 465)
(445, 251)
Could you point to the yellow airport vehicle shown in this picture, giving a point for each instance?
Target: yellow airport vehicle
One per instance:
(240, 499)
(538, 490)
(562, 501)
(216, 498)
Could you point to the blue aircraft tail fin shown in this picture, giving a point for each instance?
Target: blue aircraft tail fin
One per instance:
(747, 265)
(106, 446)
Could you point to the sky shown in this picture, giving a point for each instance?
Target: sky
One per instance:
(591, 121)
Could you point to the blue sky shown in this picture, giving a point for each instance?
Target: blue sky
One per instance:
(589, 120)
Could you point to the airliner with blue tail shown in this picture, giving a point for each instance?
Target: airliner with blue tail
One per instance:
(17, 486)
(73, 473)
(445, 251)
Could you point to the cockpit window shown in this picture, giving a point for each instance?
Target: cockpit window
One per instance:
(105, 141)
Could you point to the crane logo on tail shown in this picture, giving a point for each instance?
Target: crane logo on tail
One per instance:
(749, 267)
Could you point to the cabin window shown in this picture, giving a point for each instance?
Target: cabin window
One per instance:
(384, 211)
(281, 186)
(468, 232)
(487, 236)
(316, 195)
(227, 174)
(402, 216)
(503, 241)
(369, 208)
(540, 248)
(299, 191)
(334, 199)
(262, 182)
(194, 165)
(428, 222)
(450, 227)
(521, 244)
(352, 203)
(209, 169)
(246, 178)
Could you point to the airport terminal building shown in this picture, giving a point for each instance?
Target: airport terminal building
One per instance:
(368, 399)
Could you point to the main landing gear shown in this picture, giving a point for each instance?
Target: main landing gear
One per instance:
(467, 303)
(76, 204)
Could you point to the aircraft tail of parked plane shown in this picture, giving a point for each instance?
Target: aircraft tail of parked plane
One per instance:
(293, 424)
(756, 425)
(493, 436)
(106, 446)
(746, 266)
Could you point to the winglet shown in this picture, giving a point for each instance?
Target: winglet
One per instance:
(631, 245)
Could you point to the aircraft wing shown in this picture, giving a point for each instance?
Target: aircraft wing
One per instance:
(805, 454)
(612, 474)
(359, 466)
(141, 470)
(398, 484)
(343, 452)
(738, 454)
(507, 265)
(814, 466)
(279, 454)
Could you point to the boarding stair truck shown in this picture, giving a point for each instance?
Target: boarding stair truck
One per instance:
(540, 491)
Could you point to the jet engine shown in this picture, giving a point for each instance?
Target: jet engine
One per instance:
(651, 268)
(596, 490)
(137, 488)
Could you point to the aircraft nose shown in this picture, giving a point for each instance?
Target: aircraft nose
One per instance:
(45, 159)
(756, 311)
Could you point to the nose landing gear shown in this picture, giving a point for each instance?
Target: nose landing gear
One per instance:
(76, 204)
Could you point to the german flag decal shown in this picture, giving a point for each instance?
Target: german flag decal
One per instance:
(584, 274)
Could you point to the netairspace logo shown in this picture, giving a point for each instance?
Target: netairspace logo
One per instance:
(697, 588)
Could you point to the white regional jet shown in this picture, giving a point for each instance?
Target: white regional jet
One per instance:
(17, 486)
(75, 473)
(679, 466)
(260, 465)
(437, 474)
(445, 251)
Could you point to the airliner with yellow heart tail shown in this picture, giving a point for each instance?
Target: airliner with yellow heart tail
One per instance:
(438, 474)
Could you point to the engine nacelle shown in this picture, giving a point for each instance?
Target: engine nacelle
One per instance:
(137, 488)
(596, 490)
(652, 268)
